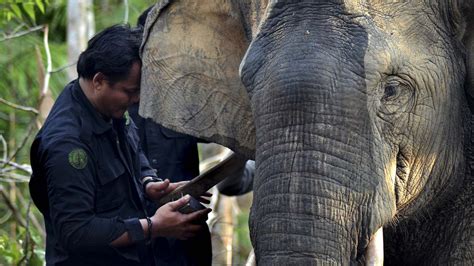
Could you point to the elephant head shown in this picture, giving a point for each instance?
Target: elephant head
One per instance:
(357, 113)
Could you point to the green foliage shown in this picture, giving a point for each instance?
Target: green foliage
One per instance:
(244, 245)
(112, 12)
(55, 16)
(21, 83)
(22, 58)
(21, 11)
(13, 252)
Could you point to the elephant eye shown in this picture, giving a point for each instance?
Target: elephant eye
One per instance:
(397, 95)
(390, 90)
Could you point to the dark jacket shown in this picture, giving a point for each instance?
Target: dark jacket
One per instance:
(85, 181)
(174, 156)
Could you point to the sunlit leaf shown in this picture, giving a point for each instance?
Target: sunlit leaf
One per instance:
(40, 5)
(30, 10)
(16, 10)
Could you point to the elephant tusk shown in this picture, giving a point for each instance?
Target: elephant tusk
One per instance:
(374, 251)
(251, 260)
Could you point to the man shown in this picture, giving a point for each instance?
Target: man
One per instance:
(89, 174)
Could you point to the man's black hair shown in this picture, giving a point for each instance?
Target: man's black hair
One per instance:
(111, 52)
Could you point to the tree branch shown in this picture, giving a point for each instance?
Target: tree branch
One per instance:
(5, 147)
(19, 34)
(19, 107)
(25, 139)
(31, 216)
(26, 244)
(59, 69)
(14, 178)
(10, 205)
(25, 168)
(48, 62)
(125, 18)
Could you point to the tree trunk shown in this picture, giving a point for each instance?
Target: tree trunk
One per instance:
(80, 28)
(221, 220)
(222, 232)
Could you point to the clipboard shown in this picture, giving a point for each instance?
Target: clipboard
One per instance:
(203, 182)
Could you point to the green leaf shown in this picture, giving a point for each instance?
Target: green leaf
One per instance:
(16, 10)
(30, 10)
(40, 5)
(36, 260)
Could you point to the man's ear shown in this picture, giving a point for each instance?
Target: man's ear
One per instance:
(99, 81)
(190, 75)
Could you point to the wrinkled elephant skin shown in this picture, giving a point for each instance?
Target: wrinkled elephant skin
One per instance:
(358, 114)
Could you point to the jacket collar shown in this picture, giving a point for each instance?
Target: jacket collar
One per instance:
(91, 119)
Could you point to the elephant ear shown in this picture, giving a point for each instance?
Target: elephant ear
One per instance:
(466, 34)
(190, 75)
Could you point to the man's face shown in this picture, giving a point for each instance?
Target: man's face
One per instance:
(114, 99)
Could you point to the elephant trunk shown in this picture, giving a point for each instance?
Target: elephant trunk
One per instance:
(321, 190)
(317, 186)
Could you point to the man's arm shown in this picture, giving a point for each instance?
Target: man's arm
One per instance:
(168, 222)
(140, 126)
(71, 192)
(145, 167)
(239, 182)
(70, 172)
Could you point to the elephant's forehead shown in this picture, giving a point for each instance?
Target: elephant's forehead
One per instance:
(375, 6)
(401, 27)
(383, 12)
(401, 35)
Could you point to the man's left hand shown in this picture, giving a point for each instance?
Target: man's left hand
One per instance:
(156, 190)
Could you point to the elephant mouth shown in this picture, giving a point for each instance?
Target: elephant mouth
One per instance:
(374, 251)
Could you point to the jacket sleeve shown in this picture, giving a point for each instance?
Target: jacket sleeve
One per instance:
(239, 182)
(146, 169)
(70, 172)
(139, 126)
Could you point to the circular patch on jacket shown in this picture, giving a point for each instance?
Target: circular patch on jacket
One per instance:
(78, 158)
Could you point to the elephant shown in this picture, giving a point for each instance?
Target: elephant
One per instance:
(358, 113)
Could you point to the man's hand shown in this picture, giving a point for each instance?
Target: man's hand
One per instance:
(169, 222)
(156, 190)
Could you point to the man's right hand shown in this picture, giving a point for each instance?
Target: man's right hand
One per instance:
(169, 222)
